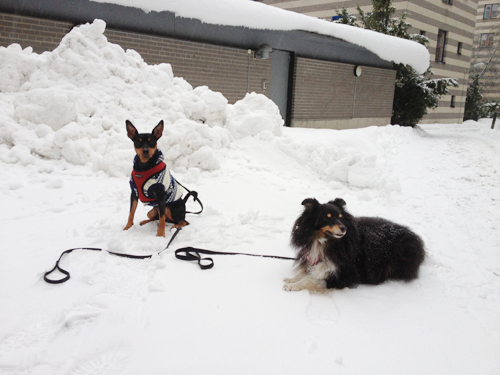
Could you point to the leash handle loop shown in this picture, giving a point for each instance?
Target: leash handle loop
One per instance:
(62, 270)
(191, 254)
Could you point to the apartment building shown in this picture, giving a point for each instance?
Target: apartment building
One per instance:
(486, 51)
(449, 25)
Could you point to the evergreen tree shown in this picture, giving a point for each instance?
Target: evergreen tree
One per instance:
(474, 102)
(346, 18)
(414, 93)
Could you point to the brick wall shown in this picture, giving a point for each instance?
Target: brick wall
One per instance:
(327, 90)
(374, 92)
(220, 68)
(43, 35)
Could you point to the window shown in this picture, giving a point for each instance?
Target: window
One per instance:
(486, 40)
(459, 48)
(422, 32)
(440, 47)
(490, 11)
(452, 104)
(450, 2)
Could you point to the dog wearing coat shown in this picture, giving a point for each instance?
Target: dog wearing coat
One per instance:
(152, 183)
(336, 250)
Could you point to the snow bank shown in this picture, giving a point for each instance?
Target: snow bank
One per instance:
(72, 104)
(255, 115)
(359, 159)
(260, 16)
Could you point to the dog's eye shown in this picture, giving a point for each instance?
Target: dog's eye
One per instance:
(151, 143)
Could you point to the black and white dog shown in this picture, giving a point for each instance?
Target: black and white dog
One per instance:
(337, 250)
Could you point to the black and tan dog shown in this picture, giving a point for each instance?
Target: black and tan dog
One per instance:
(152, 183)
(337, 250)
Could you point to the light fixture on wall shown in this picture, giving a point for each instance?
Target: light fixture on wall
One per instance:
(263, 51)
(357, 70)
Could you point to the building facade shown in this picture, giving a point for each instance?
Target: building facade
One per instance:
(486, 51)
(449, 25)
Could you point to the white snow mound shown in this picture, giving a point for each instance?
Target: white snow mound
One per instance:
(70, 103)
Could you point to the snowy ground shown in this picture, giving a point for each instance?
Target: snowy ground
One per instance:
(64, 170)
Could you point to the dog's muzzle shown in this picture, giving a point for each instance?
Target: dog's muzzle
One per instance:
(335, 231)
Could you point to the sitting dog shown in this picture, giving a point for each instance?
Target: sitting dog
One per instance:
(152, 183)
(337, 250)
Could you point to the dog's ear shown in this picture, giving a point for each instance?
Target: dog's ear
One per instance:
(131, 130)
(310, 203)
(339, 202)
(158, 130)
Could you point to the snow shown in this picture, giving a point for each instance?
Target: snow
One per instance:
(65, 162)
(256, 15)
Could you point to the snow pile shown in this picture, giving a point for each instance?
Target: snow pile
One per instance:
(361, 160)
(255, 15)
(71, 105)
(255, 115)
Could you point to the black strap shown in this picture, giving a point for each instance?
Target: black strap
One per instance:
(190, 254)
(56, 267)
(194, 194)
(67, 277)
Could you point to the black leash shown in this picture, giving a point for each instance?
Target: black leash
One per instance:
(67, 277)
(190, 254)
(194, 194)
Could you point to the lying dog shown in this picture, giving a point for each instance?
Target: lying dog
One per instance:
(337, 250)
(152, 183)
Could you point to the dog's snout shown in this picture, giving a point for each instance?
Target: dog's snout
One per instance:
(145, 150)
(343, 228)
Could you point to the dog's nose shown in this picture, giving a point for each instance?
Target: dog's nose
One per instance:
(145, 150)
(343, 228)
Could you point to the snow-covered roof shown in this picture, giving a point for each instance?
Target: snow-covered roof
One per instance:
(256, 15)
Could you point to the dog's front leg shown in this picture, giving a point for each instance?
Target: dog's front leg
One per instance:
(133, 206)
(300, 273)
(160, 198)
(307, 282)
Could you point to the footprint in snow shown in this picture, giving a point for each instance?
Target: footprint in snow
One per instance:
(81, 314)
(322, 310)
(29, 336)
(41, 333)
(110, 363)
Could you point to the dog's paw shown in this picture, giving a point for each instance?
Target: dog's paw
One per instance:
(290, 287)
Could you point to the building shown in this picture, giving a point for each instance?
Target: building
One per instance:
(486, 52)
(449, 25)
(316, 80)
